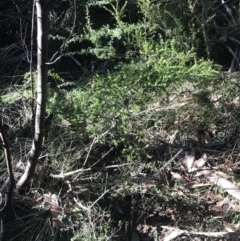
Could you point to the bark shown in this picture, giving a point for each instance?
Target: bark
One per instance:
(42, 58)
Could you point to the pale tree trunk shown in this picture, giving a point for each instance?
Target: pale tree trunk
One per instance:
(42, 53)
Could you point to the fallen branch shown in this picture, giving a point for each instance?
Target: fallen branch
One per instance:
(63, 175)
(170, 107)
(177, 232)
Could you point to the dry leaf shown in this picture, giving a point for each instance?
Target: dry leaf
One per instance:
(173, 235)
(201, 162)
(196, 185)
(203, 172)
(189, 159)
(221, 174)
(228, 186)
(178, 177)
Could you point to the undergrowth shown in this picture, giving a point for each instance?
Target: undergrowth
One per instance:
(113, 165)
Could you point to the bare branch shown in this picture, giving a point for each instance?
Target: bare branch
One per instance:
(229, 11)
(221, 5)
(31, 60)
(90, 148)
(231, 51)
(42, 44)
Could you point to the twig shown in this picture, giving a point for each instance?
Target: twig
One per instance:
(4, 204)
(98, 162)
(90, 148)
(229, 11)
(234, 40)
(221, 5)
(75, 200)
(80, 205)
(84, 69)
(172, 159)
(233, 63)
(204, 31)
(231, 51)
(52, 61)
(98, 198)
(102, 157)
(76, 61)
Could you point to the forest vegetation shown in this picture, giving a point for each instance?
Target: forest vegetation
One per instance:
(119, 120)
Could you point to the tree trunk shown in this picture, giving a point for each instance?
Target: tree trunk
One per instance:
(42, 53)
